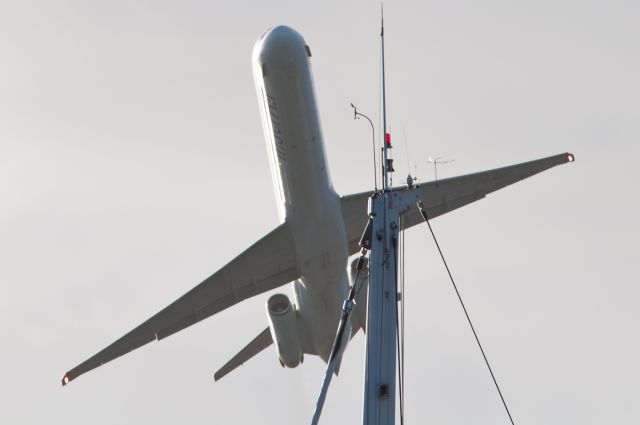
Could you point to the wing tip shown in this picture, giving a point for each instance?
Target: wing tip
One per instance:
(66, 379)
(569, 157)
(220, 373)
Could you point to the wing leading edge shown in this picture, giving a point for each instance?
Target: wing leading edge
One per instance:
(447, 194)
(266, 265)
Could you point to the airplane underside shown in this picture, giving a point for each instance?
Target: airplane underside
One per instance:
(318, 229)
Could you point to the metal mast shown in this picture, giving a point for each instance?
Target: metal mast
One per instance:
(381, 238)
(385, 209)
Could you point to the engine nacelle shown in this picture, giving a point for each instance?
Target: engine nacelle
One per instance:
(284, 330)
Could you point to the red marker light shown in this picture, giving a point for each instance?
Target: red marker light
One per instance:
(387, 139)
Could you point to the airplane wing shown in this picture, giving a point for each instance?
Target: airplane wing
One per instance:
(267, 264)
(447, 194)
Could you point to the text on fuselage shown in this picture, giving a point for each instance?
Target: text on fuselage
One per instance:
(277, 132)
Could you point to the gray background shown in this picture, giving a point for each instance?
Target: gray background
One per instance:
(132, 166)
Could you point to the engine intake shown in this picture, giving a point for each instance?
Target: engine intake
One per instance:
(284, 330)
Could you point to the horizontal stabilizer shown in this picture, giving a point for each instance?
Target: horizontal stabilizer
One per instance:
(258, 344)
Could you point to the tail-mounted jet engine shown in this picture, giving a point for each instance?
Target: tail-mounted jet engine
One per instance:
(284, 330)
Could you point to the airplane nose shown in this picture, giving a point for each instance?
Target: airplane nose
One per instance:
(281, 41)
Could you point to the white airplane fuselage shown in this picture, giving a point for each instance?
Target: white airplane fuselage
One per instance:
(304, 193)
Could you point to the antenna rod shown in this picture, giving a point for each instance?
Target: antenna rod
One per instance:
(385, 143)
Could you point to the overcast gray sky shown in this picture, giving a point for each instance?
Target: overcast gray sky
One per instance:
(133, 165)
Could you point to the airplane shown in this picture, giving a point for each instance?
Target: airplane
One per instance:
(318, 229)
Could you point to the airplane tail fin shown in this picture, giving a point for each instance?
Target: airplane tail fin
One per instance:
(259, 343)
